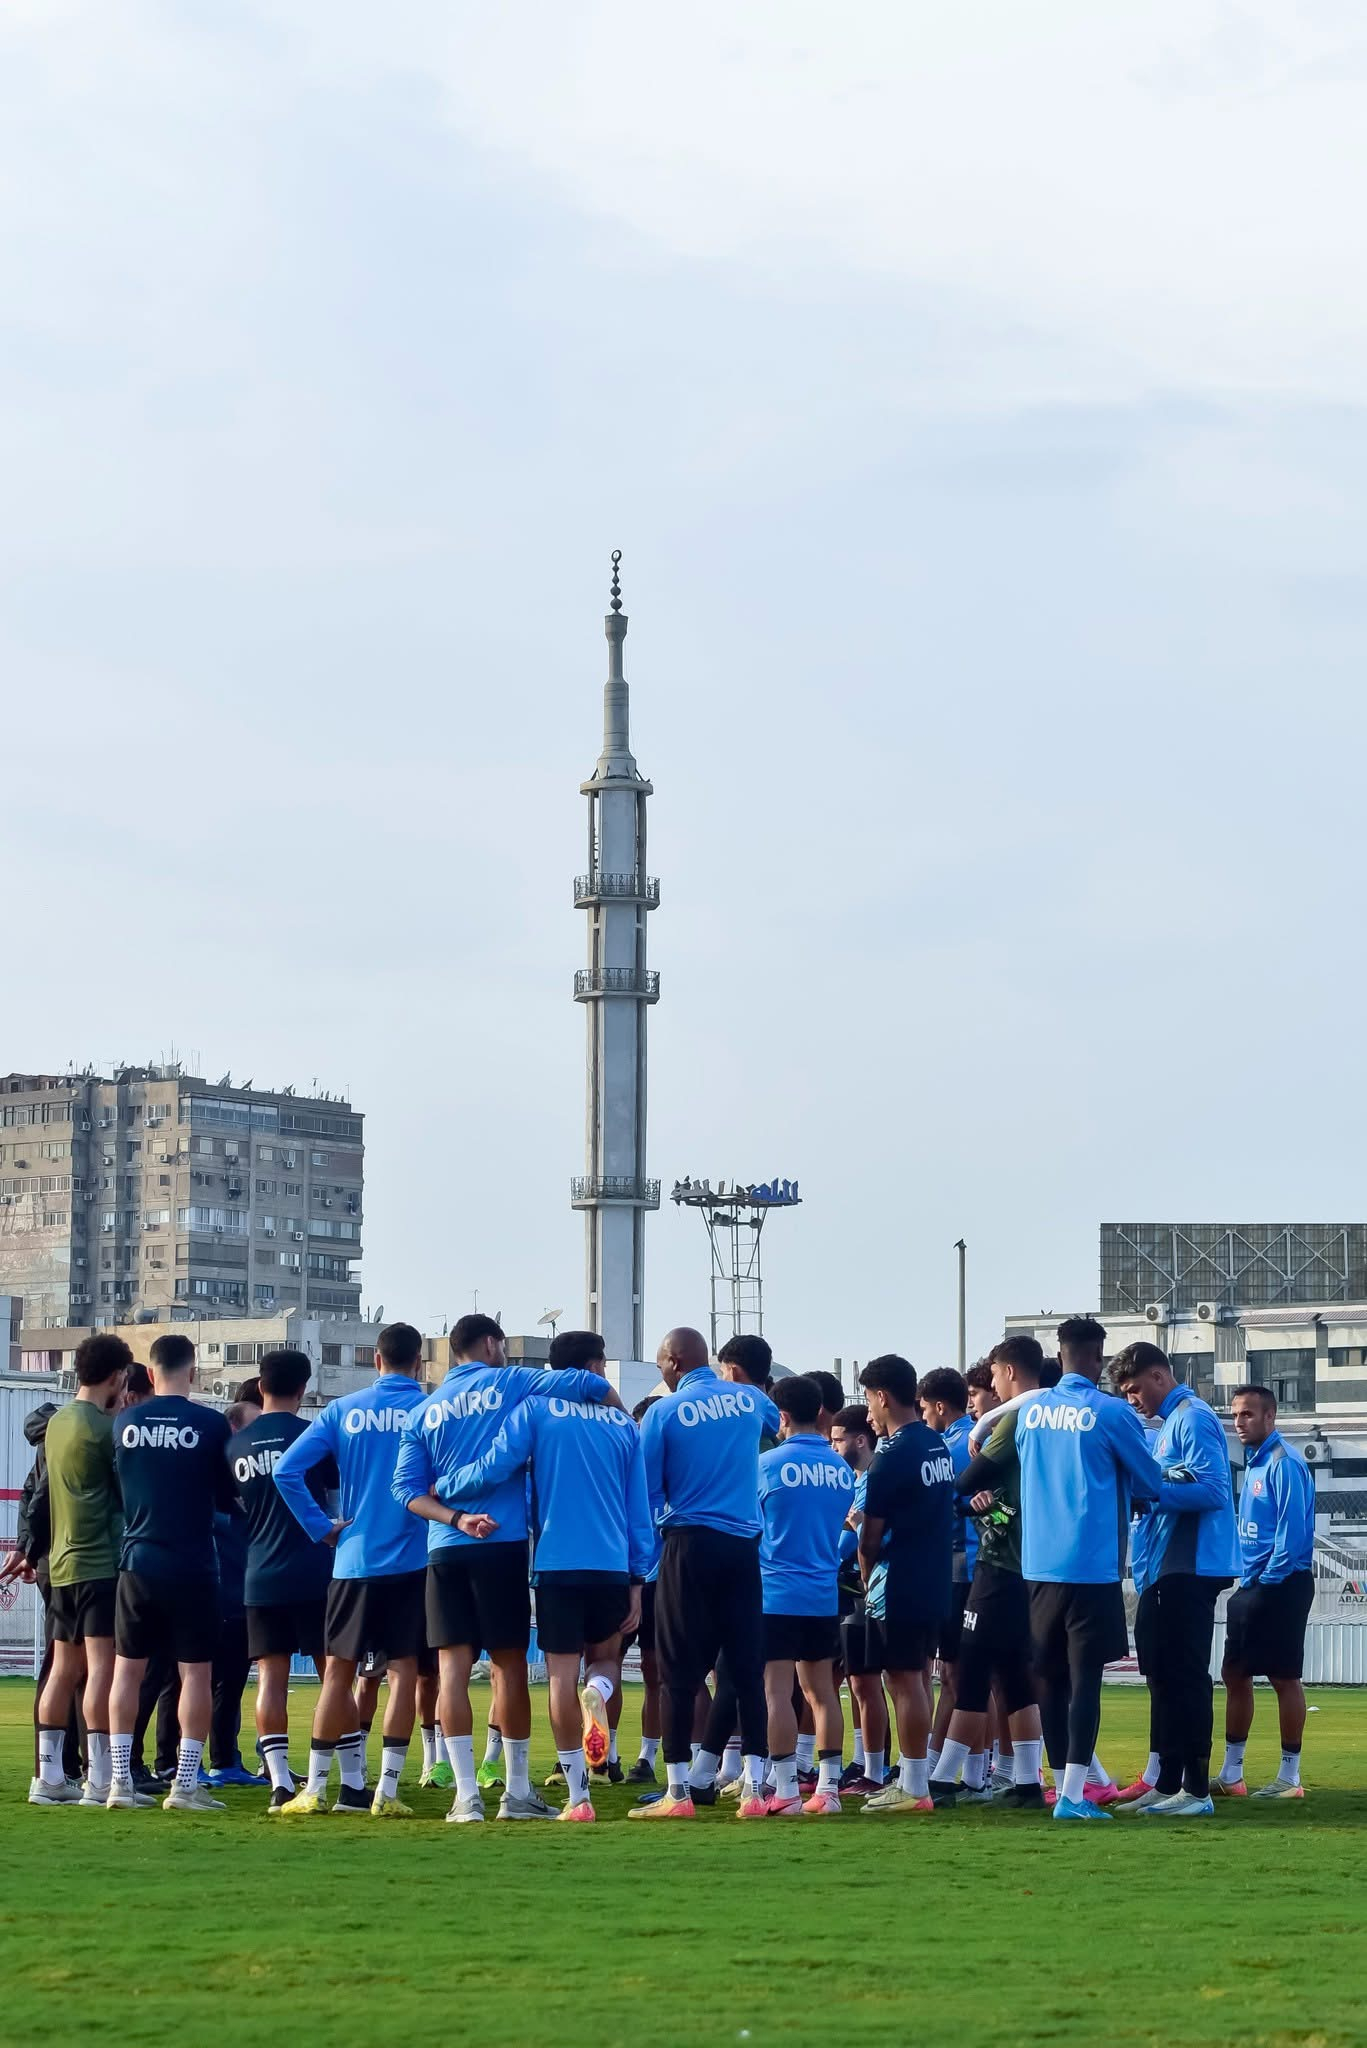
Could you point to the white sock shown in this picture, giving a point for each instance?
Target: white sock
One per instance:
(913, 1775)
(1074, 1784)
(320, 1767)
(950, 1762)
(859, 1758)
(97, 1742)
(730, 1762)
(1290, 1771)
(828, 1773)
(603, 1686)
(188, 1755)
(1099, 1773)
(460, 1754)
(613, 1757)
(1230, 1771)
(933, 1749)
(1026, 1763)
(50, 1743)
(704, 1768)
(1152, 1768)
(121, 1758)
(393, 1757)
(275, 1754)
(576, 1771)
(429, 1749)
(875, 1765)
(351, 1761)
(493, 1745)
(996, 1756)
(754, 1775)
(516, 1754)
(676, 1776)
(785, 1776)
(975, 1771)
(650, 1749)
(806, 1752)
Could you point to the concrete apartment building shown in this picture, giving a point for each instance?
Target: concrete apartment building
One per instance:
(155, 1195)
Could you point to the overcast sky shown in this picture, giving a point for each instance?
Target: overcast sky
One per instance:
(977, 396)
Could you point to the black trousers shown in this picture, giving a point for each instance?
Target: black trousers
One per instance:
(159, 1694)
(231, 1665)
(709, 1605)
(724, 1716)
(1173, 1633)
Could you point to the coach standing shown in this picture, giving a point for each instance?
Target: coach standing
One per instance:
(1189, 1556)
(701, 1445)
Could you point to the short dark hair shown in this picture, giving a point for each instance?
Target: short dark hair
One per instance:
(828, 1386)
(1084, 1333)
(1023, 1353)
(399, 1345)
(854, 1420)
(798, 1397)
(639, 1410)
(944, 1384)
(99, 1358)
(979, 1376)
(893, 1376)
(249, 1390)
(572, 1350)
(172, 1353)
(754, 1356)
(1050, 1373)
(1134, 1359)
(285, 1372)
(472, 1330)
(139, 1380)
(1263, 1394)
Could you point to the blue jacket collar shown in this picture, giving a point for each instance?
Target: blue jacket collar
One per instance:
(1275, 1442)
(1174, 1400)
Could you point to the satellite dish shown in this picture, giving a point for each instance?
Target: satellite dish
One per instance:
(379, 1313)
(552, 1316)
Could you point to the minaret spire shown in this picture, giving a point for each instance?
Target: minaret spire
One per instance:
(616, 763)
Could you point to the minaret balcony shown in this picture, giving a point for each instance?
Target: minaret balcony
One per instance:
(590, 890)
(592, 982)
(622, 1190)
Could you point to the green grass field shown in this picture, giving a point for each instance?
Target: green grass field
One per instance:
(969, 1928)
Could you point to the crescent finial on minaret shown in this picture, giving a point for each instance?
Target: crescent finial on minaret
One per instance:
(616, 581)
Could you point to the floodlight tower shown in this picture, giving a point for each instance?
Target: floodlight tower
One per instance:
(733, 1219)
(617, 989)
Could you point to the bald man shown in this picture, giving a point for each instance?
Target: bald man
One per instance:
(701, 1443)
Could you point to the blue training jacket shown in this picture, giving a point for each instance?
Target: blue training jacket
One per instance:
(805, 1492)
(454, 1427)
(965, 1528)
(1192, 1527)
(1276, 1514)
(1083, 1454)
(362, 1433)
(590, 1508)
(702, 1453)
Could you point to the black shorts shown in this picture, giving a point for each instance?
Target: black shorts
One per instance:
(801, 1638)
(897, 1642)
(477, 1597)
(384, 1615)
(854, 1645)
(1077, 1626)
(85, 1609)
(1265, 1627)
(577, 1608)
(996, 1646)
(288, 1627)
(952, 1627)
(644, 1636)
(175, 1618)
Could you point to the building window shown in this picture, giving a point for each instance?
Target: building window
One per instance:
(319, 1158)
(292, 1187)
(155, 1219)
(265, 1187)
(55, 1219)
(332, 1354)
(266, 1152)
(263, 1295)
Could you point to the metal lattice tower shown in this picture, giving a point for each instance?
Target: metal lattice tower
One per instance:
(734, 1219)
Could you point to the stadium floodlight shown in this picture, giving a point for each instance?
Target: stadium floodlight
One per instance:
(734, 1216)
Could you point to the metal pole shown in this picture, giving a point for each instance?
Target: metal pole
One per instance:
(961, 1248)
